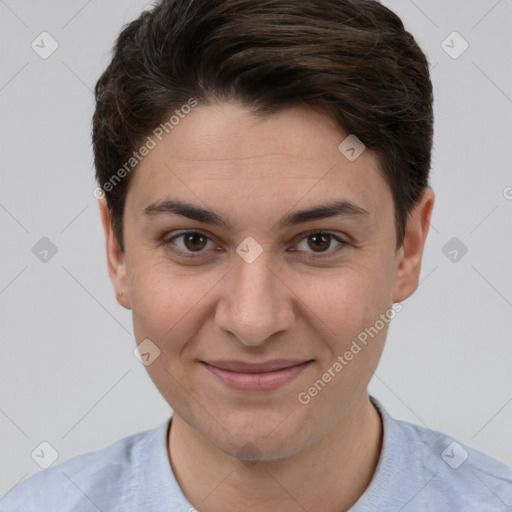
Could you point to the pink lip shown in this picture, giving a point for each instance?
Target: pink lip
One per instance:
(256, 377)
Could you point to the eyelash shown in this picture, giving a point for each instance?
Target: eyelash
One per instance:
(168, 243)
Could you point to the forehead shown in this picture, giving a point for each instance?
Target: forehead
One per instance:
(224, 152)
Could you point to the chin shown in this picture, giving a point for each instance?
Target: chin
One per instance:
(262, 436)
(250, 450)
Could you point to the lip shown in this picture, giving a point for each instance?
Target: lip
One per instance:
(256, 376)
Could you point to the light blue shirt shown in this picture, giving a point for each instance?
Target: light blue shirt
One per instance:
(419, 470)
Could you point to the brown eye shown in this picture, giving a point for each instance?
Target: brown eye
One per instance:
(194, 241)
(191, 244)
(319, 241)
(318, 244)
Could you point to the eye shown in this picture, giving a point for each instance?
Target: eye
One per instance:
(319, 242)
(192, 242)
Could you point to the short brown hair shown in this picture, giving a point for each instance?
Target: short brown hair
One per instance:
(352, 59)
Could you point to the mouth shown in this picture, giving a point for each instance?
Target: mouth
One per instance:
(256, 376)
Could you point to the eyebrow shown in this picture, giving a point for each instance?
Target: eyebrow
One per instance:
(207, 216)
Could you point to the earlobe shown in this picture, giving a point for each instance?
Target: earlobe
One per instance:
(116, 264)
(411, 253)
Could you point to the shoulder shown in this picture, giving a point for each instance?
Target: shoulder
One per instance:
(85, 482)
(431, 467)
(444, 454)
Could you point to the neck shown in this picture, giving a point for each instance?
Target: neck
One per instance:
(330, 475)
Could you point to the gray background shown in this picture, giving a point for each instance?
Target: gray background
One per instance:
(68, 374)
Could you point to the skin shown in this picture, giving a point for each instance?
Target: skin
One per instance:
(252, 170)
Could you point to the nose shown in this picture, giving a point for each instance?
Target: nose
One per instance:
(256, 302)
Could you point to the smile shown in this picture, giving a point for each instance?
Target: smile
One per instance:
(256, 377)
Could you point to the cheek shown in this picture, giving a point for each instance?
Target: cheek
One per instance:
(353, 342)
(171, 306)
(347, 301)
(165, 303)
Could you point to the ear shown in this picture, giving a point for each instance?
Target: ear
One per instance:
(115, 257)
(411, 253)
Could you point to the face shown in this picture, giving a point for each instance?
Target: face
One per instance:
(251, 304)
